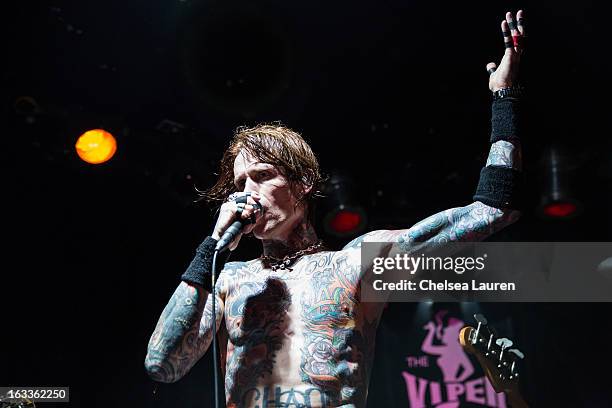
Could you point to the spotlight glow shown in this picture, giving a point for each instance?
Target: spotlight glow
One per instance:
(560, 210)
(345, 221)
(96, 146)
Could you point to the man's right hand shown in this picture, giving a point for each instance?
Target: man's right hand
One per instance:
(228, 213)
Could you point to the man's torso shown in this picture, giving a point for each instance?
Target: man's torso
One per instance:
(299, 338)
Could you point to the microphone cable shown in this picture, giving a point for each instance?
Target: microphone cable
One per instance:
(225, 240)
(214, 328)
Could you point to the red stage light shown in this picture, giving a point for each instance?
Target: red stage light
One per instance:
(344, 216)
(560, 210)
(346, 221)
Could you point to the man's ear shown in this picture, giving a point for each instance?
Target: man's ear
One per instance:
(306, 188)
(301, 189)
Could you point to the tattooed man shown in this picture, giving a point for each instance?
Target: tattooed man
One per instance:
(295, 331)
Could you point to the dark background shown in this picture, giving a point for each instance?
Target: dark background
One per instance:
(392, 93)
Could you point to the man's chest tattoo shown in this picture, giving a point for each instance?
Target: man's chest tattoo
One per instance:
(330, 293)
(285, 397)
(333, 342)
(257, 320)
(323, 294)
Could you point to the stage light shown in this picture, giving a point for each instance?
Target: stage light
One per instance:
(557, 201)
(96, 146)
(560, 209)
(343, 215)
(345, 221)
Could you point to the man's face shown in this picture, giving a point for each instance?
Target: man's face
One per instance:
(281, 215)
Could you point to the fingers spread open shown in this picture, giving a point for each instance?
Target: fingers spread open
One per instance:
(511, 23)
(515, 32)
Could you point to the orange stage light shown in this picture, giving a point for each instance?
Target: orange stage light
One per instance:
(96, 146)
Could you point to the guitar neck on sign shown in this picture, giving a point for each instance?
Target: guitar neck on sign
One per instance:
(498, 358)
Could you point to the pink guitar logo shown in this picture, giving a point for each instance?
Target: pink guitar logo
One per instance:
(441, 344)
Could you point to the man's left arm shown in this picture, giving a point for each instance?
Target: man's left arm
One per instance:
(496, 200)
(473, 222)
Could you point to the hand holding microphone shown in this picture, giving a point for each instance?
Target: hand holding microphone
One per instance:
(237, 216)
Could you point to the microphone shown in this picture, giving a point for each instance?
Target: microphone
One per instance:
(235, 229)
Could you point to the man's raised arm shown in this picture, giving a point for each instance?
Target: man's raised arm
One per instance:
(496, 198)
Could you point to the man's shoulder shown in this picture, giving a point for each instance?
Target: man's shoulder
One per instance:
(237, 269)
(239, 265)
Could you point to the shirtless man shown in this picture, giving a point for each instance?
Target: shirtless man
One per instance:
(300, 336)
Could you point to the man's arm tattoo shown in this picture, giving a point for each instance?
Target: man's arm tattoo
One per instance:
(183, 333)
(505, 154)
(474, 222)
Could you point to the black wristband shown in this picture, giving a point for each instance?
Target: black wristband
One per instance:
(505, 119)
(200, 268)
(500, 187)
